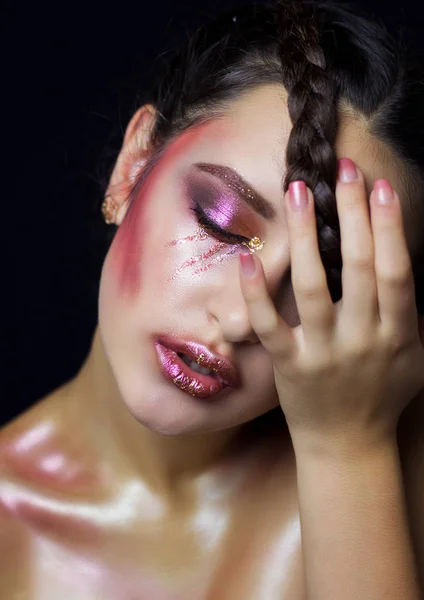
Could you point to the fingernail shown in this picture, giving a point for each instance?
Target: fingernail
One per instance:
(384, 192)
(347, 170)
(298, 195)
(248, 266)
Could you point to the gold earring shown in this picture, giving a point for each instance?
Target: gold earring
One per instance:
(109, 209)
(254, 244)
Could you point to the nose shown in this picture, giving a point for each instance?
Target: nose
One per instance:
(226, 304)
(229, 309)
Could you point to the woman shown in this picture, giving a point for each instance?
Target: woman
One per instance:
(237, 430)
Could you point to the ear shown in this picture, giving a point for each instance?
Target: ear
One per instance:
(132, 158)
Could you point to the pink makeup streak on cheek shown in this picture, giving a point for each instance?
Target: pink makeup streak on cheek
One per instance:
(127, 253)
(199, 235)
(191, 261)
(128, 248)
(218, 259)
(204, 256)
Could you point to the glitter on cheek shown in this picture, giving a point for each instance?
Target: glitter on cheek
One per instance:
(200, 234)
(219, 258)
(205, 255)
(211, 252)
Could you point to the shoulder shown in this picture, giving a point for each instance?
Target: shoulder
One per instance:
(46, 447)
(16, 540)
(45, 463)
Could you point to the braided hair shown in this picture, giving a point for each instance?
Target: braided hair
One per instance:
(312, 106)
(321, 52)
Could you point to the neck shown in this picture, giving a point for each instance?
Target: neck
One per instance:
(164, 462)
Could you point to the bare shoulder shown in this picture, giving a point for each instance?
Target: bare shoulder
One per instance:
(46, 446)
(48, 406)
(22, 439)
(44, 465)
(16, 538)
(44, 453)
(18, 474)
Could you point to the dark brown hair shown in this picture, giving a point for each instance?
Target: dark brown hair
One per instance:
(321, 53)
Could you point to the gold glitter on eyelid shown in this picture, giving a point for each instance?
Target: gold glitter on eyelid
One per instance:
(254, 244)
(230, 182)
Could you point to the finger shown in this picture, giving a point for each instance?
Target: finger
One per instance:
(313, 300)
(273, 332)
(359, 302)
(395, 283)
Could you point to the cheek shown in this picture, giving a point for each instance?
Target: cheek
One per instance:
(198, 262)
(126, 252)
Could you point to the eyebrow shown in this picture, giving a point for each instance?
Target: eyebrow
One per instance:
(241, 187)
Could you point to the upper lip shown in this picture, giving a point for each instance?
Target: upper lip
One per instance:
(224, 368)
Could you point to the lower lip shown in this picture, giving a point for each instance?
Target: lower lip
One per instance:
(175, 370)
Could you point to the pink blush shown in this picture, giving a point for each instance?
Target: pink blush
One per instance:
(127, 252)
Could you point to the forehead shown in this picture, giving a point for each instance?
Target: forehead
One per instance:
(253, 136)
(258, 124)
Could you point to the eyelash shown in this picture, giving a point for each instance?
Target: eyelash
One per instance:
(213, 228)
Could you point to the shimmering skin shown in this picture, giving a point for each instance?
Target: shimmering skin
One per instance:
(76, 526)
(96, 505)
(97, 531)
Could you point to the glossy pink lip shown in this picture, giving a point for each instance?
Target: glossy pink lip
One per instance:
(224, 369)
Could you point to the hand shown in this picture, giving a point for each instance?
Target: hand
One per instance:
(350, 368)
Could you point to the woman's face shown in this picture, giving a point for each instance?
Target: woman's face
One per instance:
(164, 276)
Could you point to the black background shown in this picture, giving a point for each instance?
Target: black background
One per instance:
(65, 72)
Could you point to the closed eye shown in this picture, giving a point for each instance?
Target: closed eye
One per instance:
(213, 228)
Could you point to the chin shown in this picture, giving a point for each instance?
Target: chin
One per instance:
(168, 411)
(173, 413)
